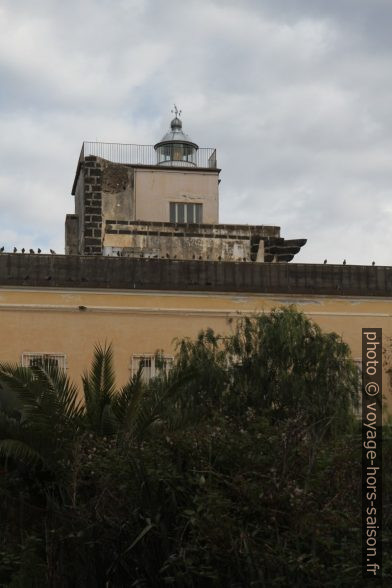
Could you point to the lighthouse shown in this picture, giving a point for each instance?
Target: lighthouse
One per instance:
(176, 148)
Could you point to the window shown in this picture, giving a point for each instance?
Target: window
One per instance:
(33, 359)
(181, 212)
(152, 365)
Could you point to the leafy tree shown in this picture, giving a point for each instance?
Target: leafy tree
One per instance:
(279, 363)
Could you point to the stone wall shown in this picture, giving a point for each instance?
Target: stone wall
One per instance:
(92, 226)
(118, 191)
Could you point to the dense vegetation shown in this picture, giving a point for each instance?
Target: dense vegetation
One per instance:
(238, 468)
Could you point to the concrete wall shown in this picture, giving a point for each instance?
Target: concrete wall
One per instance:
(183, 241)
(71, 234)
(156, 188)
(72, 271)
(178, 247)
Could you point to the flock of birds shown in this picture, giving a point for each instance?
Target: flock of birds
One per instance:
(31, 251)
(345, 262)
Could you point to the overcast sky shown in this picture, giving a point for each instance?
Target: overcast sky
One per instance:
(296, 95)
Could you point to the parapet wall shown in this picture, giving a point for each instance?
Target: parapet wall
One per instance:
(189, 241)
(74, 271)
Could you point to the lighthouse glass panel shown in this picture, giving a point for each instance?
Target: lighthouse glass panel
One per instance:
(189, 154)
(176, 154)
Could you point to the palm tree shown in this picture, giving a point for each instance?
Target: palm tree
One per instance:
(132, 409)
(41, 417)
(44, 416)
(46, 438)
(99, 392)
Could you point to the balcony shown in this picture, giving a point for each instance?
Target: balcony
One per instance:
(204, 157)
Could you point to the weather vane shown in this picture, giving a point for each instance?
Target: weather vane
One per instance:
(176, 112)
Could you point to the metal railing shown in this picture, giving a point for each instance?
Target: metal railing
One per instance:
(146, 155)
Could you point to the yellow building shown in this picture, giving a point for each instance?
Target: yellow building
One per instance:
(147, 262)
(64, 305)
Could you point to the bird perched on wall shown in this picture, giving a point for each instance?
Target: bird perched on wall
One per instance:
(344, 262)
(373, 263)
(23, 249)
(1, 249)
(52, 252)
(15, 250)
(31, 251)
(325, 261)
(38, 250)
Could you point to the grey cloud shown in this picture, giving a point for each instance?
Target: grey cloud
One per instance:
(294, 94)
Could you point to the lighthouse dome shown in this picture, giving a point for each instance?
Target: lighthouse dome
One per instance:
(176, 148)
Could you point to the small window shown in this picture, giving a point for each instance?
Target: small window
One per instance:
(31, 359)
(152, 365)
(181, 212)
